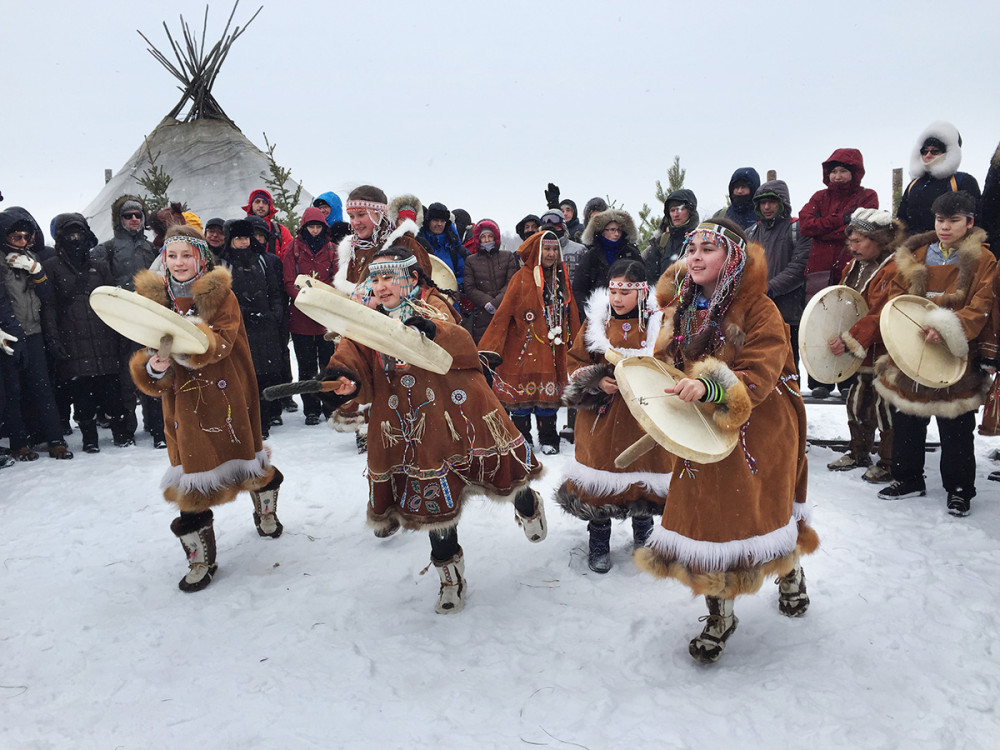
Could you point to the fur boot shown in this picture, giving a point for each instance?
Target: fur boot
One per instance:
(720, 624)
(451, 595)
(793, 601)
(265, 508)
(642, 527)
(599, 556)
(523, 424)
(197, 536)
(536, 528)
(548, 436)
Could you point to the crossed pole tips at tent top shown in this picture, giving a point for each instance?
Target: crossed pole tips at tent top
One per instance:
(196, 69)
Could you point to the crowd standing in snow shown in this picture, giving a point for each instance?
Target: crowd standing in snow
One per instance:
(528, 331)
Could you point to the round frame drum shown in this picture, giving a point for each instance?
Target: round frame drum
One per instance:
(932, 365)
(686, 429)
(370, 328)
(829, 313)
(142, 320)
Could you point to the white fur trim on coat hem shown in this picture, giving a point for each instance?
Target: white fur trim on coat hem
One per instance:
(711, 557)
(236, 471)
(603, 483)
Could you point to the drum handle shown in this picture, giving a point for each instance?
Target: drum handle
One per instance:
(166, 346)
(634, 452)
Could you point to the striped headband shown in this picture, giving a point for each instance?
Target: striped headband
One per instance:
(728, 235)
(395, 265)
(193, 241)
(367, 205)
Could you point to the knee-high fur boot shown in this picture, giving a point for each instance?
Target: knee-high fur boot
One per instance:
(197, 536)
(720, 624)
(523, 423)
(599, 554)
(265, 507)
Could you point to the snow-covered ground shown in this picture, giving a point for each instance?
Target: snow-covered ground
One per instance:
(327, 637)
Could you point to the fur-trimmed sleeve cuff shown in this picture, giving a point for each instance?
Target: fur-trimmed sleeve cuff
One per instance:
(854, 346)
(735, 411)
(583, 392)
(947, 323)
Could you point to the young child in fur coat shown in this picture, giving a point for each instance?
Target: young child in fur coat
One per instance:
(594, 489)
(211, 411)
(436, 439)
(730, 525)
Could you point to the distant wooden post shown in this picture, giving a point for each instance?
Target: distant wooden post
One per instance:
(772, 174)
(107, 176)
(897, 189)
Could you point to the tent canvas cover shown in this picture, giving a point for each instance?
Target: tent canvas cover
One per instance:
(212, 165)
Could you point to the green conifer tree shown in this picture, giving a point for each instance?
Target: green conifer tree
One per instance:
(285, 201)
(649, 222)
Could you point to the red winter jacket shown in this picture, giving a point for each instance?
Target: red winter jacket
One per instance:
(300, 259)
(282, 238)
(822, 218)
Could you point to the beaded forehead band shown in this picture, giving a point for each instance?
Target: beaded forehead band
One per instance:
(394, 266)
(730, 239)
(367, 205)
(640, 286)
(193, 241)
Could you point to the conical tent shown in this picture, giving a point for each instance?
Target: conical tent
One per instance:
(213, 166)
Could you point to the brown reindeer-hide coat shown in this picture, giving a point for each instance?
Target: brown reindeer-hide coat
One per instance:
(727, 526)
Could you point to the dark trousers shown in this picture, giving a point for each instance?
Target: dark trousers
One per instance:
(29, 397)
(268, 409)
(101, 394)
(958, 460)
(312, 353)
(444, 544)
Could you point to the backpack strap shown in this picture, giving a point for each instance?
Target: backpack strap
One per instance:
(954, 184)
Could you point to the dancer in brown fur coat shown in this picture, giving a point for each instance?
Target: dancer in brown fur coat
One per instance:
(619, 317)
(211, 411)
(730, 525)
(437, 438)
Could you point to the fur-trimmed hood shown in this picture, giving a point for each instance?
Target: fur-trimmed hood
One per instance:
(600, 220)
(397, 203)
(945, 165)
(598, 314)
(914, 272)
(116, 213)
(210, 291)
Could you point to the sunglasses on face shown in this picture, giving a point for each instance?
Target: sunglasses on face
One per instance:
(132, 215)
(933, 151)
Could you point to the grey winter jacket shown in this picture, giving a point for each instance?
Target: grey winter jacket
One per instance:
(787, 252)
(126, 254)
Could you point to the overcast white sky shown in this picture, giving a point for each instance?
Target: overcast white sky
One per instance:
(480, 105)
